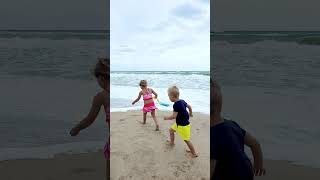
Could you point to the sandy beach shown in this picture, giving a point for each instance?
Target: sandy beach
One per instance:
(140, 152)
(91, 166)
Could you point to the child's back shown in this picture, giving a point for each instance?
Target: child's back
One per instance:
(227, 147)
(180, 107)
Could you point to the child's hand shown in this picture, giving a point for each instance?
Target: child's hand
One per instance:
(259, 170)
(74, 131)
(132, 103)
(165, 118)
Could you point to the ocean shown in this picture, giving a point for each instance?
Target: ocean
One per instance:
(193, 85)
(271, 85)
(46, 87)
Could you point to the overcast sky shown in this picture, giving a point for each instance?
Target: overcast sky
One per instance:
(290, 15)
(160, 35)
(54, 14)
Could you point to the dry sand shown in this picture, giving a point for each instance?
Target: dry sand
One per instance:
(90, 166)
(140, 152)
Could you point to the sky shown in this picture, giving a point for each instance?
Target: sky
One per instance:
(161, 35)
(278, 15)
(54, 14)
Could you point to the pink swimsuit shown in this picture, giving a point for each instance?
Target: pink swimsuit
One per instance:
(150, 106)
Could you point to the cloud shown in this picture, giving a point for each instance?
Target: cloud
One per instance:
(187, 11)
(149, 35)
(205, 1)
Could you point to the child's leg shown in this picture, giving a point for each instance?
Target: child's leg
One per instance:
(153, 114)
(144, 117)
(171, 132)
(190, 145)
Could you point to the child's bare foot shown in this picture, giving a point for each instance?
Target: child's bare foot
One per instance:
(157, 128)
(169, 143)
(192, 155)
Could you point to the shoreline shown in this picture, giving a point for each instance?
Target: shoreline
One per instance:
(139, 111)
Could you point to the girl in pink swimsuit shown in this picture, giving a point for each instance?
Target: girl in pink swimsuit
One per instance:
(149, 105)
(102, 74)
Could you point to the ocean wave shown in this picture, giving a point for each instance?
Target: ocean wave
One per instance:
(55, 35)
(204, 73)
(162, 80)
(310, 38)
(122, 96)
(270, 34)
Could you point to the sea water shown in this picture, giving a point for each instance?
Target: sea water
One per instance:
(271, 85)
(46, 88)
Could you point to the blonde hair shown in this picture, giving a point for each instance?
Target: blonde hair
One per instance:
(102, 68)
(143, 83)
(174, 91)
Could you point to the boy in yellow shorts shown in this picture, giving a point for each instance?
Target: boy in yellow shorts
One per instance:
(180, 113)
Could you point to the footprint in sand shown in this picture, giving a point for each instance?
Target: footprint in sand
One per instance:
(145, 154)
(180, 168)
(125, 157)
(122, 119)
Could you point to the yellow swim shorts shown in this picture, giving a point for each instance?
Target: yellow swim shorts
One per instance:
(183, 131)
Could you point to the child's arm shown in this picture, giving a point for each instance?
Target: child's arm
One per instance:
(255, 147)
(190, 110)
(91, 117)
(155, 94)
(139, 96)
(173, 116)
